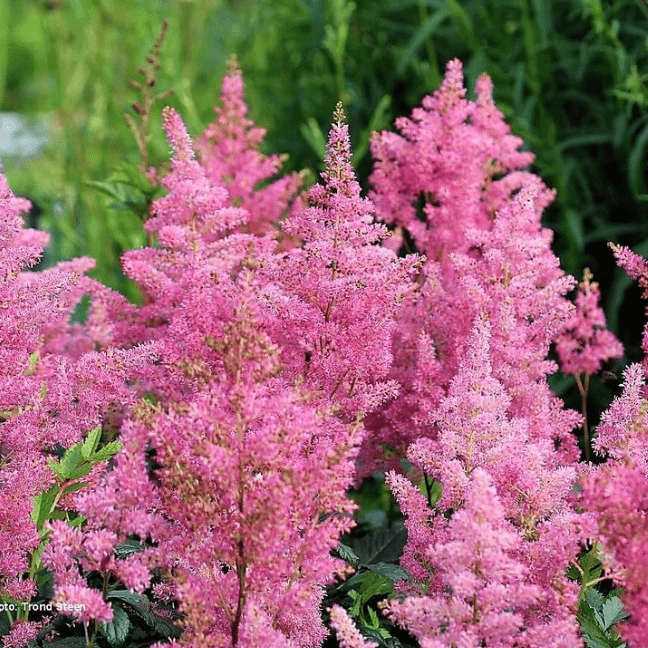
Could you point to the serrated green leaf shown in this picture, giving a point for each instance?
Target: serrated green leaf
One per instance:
(107, 451)
(594, 598)
(77, 521)
(80, 471)
(593, 634)
(612, 612)
(90, 443)
(128, 548)
(346, 553)
(71, 488)
(372, 585)
(56, 468)
(141, 605)
(132, 598)
(383, 642)
(392, 572)
(116, 631)
(380, 546)
(70, 461)
(43, 506)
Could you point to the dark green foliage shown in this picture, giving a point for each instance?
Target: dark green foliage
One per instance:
(597, 615)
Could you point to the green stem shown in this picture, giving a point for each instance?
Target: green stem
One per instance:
(583, 388)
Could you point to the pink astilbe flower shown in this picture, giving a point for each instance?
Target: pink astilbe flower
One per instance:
(617, 494)
(193, 201)
(265, 472)
(444, 165)
(193, 225)
(585, 344)
(484, 594)
(620, 434)
(263, 465)
(21, 635)
(339, 293)
(637, 268)
(229, 152)
(487, 253)
(45, 400)
(268, 476)
(510, 276)
(475, 432)
(348, 635)
(83, 603)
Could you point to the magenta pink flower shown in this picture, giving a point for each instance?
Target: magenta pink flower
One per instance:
(347, 634)
(229, 152)
(585, 344)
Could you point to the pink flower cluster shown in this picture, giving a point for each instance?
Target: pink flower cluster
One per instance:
(585, 344)
(284, 350)
(617, 493)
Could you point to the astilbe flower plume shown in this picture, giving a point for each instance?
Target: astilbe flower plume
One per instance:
(617, 491)
(585, 343)
(487, 597)
(487, 253)
(229, 152)
(45, 400)
(471, 353)
(336, 298)
(438, 178)
(476, 435)
(264, 463)
(265, 470)
(347, 634)
(195, 227)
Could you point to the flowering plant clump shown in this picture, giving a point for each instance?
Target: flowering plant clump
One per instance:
(181, 471)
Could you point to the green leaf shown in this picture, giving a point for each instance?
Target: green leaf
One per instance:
(70, 461)
(68, 642)
(313, 134)
(384, 642)
(80, 471)
(116, 631)
(613, 612)
(374, 585)
(71, 488)
(388, 570)
(43, 506)
(347, 554)
(107, 451)
(142, 607)
(33, 360)
(381, 546)
(55, 467)
(128, 548)
(373, 618)
(91, 442)
(77, 521)
(594, 598)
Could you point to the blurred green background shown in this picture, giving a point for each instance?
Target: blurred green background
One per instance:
(570, 75)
